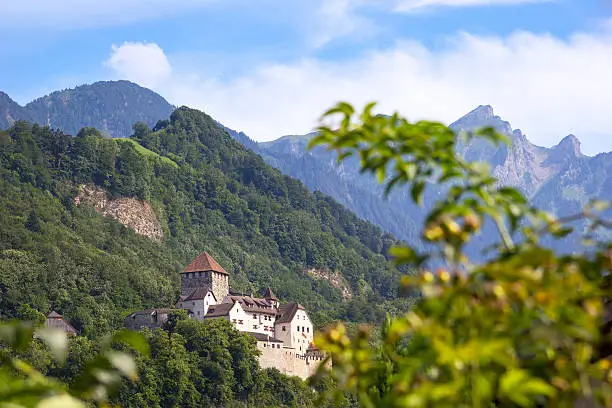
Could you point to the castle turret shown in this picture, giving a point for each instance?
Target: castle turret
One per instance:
(269, 295)
(205, 272)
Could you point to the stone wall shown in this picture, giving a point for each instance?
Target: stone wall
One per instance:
(138, 321)
(220, 285)
(190, 281)
(288, 362)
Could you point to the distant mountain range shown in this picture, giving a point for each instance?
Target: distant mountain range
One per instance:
(560, 179)
(111, 106)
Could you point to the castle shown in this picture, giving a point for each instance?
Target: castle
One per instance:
(284, 332)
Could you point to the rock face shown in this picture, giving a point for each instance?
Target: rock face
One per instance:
(559, 179)
(334, 278)
(10, 111)
(135, 214)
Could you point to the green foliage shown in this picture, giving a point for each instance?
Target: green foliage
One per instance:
(27, 313)
(22, 385)
(209, 193)
(523, 328)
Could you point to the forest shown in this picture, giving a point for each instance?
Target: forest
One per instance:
(209, 193)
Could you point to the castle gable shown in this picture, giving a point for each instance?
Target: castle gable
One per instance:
(199, 294)
(287, 311)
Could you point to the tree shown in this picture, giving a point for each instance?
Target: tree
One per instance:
(29, 314)
(522, 328)
(22, 385)
(33, 223)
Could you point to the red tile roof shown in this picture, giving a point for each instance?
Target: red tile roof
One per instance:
(202, 263)
(55, 321)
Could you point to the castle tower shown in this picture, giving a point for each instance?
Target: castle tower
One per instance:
(205, 272)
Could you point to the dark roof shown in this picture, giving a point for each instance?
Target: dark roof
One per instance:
(287, 311)
(222, 309)
(251, 304)
(202, 263)
(199, 293)
(268, 294)
(55, 321)
(264, 337)
(151, 311)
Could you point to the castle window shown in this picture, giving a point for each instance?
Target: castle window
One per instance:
(234, 321)
(254, 316)
(284, 328)
(298, 328)
(240, 321)
(193, 303)
(308, 330)
(302, 329)
(255, 326)
(198, 312)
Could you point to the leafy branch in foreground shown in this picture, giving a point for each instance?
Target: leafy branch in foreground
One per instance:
(523, 328)
(21, 385)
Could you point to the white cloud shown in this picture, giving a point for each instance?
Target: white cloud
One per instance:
(340, 18)
(546, 86)
(144, 63)
(409, 6)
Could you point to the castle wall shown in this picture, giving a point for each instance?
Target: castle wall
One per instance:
(199, 307)
(298, 333)
(240, 318)
(287, 361)
(219, 284)
(193, 280)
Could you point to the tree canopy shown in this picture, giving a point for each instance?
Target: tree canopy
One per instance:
(523, 328)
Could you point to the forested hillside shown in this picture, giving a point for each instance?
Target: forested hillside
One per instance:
(209, 193)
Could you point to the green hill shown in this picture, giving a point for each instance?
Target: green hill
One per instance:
(208, 192)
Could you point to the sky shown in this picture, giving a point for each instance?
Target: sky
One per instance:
(271, 67)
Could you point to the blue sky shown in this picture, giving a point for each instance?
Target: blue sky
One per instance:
(270, 67)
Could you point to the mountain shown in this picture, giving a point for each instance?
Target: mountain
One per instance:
(10, 111)
(110, 106)
(95, 227)
(553, 178)
(560, 179)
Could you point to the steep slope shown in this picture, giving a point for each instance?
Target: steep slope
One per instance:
(560, 179)
(110, 106)
(208, 193)
(10, 111)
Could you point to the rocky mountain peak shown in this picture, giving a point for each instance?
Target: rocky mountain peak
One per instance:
(482, 116)
(482, 113)
(569, 145)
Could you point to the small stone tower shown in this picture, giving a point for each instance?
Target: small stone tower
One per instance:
(205, 272)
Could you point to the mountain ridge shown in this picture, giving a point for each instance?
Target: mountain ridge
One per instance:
(541, 173)
(110, 106)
